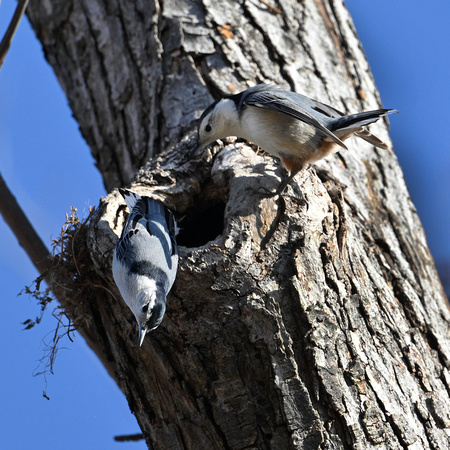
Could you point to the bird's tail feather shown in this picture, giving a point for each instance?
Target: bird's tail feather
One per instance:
(365, 134)
(147, 208)
(352, 121)
(130, 197)
(357, 122)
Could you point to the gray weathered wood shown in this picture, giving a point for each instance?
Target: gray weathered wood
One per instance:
(336, 334)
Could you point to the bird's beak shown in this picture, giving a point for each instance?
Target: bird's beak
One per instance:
(142, 333)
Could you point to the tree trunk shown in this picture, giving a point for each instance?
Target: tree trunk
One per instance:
(335, 333)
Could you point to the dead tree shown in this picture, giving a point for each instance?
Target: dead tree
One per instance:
(334, 334)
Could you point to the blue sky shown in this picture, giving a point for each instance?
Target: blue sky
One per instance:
(49, 168)
(407, 45)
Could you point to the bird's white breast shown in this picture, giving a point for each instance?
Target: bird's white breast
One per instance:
(277, 133)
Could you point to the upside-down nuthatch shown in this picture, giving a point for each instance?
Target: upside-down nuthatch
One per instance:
(146, 259)
(291, 126)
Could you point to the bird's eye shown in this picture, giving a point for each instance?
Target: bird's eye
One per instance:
(208, 128)
(145, 308)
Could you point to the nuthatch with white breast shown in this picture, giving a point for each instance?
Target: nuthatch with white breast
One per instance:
(145, 261)
(291, 126)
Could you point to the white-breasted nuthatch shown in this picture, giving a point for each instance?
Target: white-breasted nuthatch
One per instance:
(146, 259)
(291, 126)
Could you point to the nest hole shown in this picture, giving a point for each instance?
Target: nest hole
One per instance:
(201, 226)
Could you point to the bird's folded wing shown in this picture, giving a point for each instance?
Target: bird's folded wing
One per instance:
(173, 230)
(277, 103)
(124, 247)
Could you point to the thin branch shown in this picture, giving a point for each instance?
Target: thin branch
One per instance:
(21, 226)
(9, 208)
(129, 437)
(12, 28)
(41, 258)
(23, 230)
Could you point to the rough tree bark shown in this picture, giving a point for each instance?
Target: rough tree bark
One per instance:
(336, 333)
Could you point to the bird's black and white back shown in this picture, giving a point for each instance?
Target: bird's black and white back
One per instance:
(146, 259)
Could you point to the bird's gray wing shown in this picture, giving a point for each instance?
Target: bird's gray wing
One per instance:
(172, 227)
(321, 108)
(125, 251)
(149, 236)
(278, 100)
(142, 223)
(161, 224)
(173, 230)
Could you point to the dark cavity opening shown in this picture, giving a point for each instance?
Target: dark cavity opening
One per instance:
(200, 226)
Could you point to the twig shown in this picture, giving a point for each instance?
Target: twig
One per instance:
(25, 233)
(129, 437)
(41, 258)
(12, 28)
